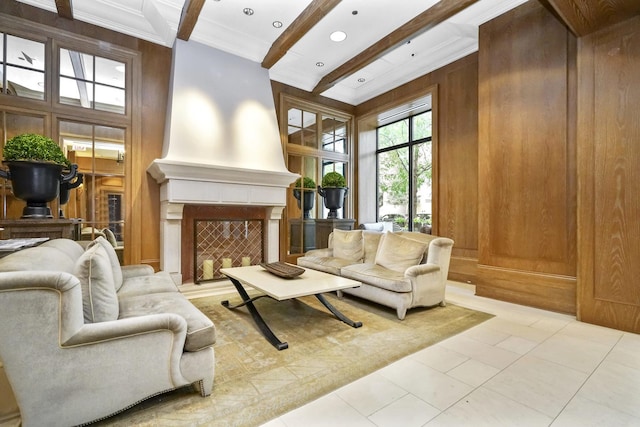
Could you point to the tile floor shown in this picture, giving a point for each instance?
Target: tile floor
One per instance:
(524, 367)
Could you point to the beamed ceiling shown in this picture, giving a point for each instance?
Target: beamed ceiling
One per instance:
(387, 44)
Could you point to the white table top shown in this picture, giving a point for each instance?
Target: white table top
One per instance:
(310, 282)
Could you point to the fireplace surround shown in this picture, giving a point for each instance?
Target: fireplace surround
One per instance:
(222, 148)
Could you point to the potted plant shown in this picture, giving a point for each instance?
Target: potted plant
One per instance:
(333, 190)
(304, 192)
(37, 167)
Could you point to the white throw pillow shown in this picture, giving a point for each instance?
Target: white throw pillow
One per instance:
(116, 270)
(347, 244)
(99, 299)
(397, 253)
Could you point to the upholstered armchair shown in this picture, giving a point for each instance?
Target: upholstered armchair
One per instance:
(97, 369)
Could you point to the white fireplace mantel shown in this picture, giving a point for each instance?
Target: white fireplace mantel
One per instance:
(184, 183)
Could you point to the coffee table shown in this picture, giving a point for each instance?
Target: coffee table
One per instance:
(311, 282)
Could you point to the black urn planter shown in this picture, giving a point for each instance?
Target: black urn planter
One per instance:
(65, 191)
(333, 199)
(37, 183)
(308, 197)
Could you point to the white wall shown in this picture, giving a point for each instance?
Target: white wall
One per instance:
(221, 111)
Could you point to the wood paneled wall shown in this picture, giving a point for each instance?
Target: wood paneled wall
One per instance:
(609, 172)
(458, 165)
(156, 69)
(527, 178)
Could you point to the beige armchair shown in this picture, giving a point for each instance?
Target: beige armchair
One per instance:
(67, 370)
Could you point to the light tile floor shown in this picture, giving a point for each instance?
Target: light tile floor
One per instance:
(524, 367)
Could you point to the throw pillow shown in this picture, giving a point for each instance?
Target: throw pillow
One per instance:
(99, 299)
(111, 238)
(116, 270)
(347, 244)
(397, 253)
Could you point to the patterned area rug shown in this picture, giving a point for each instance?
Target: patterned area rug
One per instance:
(255, 383)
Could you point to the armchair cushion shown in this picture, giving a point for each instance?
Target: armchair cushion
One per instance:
(348, 245)
(99, 299)
(116, 271)
(398, 253)
(147, 284)
(201, 331)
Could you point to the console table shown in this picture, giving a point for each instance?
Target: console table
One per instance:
(302, 235)
(51, 228)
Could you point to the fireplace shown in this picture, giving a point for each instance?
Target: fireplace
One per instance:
(221, 236)
(222, 151)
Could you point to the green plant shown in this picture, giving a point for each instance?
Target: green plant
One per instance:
(34, 147)
(333, 179)
(306, 183)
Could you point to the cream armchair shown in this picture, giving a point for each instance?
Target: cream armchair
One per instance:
(65, 372)
(66, 369)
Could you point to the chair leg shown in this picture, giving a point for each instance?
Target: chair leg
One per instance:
(443, 303)
(402, 312)
(340, 294)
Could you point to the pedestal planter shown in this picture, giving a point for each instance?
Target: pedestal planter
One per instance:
(37, 183)
(65, 191)
(305, 200)
(333, 199)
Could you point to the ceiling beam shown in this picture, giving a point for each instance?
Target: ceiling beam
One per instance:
(428, 19)
(189, 17)
(65, 9)
(586, 17)
(309, 17)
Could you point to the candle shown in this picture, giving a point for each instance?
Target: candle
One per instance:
(246, 261)
(226, 262)
(207, 269)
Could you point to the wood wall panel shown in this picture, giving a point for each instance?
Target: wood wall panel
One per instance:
(156, 69)
(527, 184)
(458, 166)
(608, 159)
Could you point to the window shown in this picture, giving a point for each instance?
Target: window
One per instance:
(92, 81)
(80, 93)
(318, 142)
(23, 67)
(404, 172)
(99, 153)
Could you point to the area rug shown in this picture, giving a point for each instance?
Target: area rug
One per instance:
(255, 383)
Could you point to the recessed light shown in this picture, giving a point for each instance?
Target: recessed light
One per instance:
(362, 80)
(338, 36)
(277, 24)
(247, 11)
(319, 64)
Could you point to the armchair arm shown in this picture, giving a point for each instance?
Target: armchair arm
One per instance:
(326, 252)
(136, 270)
(420, 269)
(94, 333)
(427, 285)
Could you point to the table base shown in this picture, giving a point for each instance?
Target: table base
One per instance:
(262, 325)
